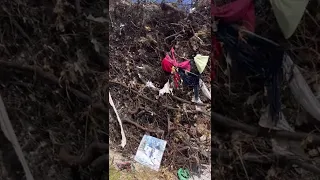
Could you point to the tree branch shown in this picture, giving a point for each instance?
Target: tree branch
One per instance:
(230, 123)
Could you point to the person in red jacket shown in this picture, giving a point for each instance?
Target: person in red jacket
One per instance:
(239, 12)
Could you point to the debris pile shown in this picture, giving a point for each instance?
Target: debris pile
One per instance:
(53, 78)
(140, 37)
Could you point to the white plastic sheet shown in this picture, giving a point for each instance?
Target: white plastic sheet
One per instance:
(123, 136)
(205, 89)
(166, 89)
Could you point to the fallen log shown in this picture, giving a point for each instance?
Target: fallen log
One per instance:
(263, 132)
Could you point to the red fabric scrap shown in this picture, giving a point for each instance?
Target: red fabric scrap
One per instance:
(239, 10)
(168, 63)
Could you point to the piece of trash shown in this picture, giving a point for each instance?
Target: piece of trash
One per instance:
(201, 62)
(98, 19)
(229, 60)
(192, 10)
(150, 85)
(166, 89)
(123, 136)
(124, 166)
(96, 45)
(150, 152)
(203, 138)
(205, 89)
(205, 173)
(183, 174)
(251, 99)
(266, 121)
(147, 28)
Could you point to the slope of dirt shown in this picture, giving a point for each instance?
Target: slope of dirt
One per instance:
(52, 67)
(140, 36)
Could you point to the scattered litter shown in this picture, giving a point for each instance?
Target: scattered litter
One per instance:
(123, 136)
(203, 138)
(96, 45)
(192, 10)
(229, 60)
(151, 85)
(281, 147)
(300, 88)
(183, 174)
(148, 28)
(124, 166)
(205, 173)
(166, 89)
(201, 62)
(98, 19)
(252, 99)
(150, 152)
(205, 89)
(266, 121)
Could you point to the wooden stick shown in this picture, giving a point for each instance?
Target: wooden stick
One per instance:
(141, 127)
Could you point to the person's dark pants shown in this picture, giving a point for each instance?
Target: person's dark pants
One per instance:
(191, 80)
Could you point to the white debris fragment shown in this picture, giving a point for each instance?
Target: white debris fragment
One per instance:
(192, 10)
(205, 89)
(150, 85)
(166, 89)
(140, 67)
(123, 136)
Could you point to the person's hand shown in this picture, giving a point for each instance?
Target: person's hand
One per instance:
(173, 70)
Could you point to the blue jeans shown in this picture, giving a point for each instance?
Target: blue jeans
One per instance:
(191, 80)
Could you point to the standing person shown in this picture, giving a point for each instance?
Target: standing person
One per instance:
(186, 73)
